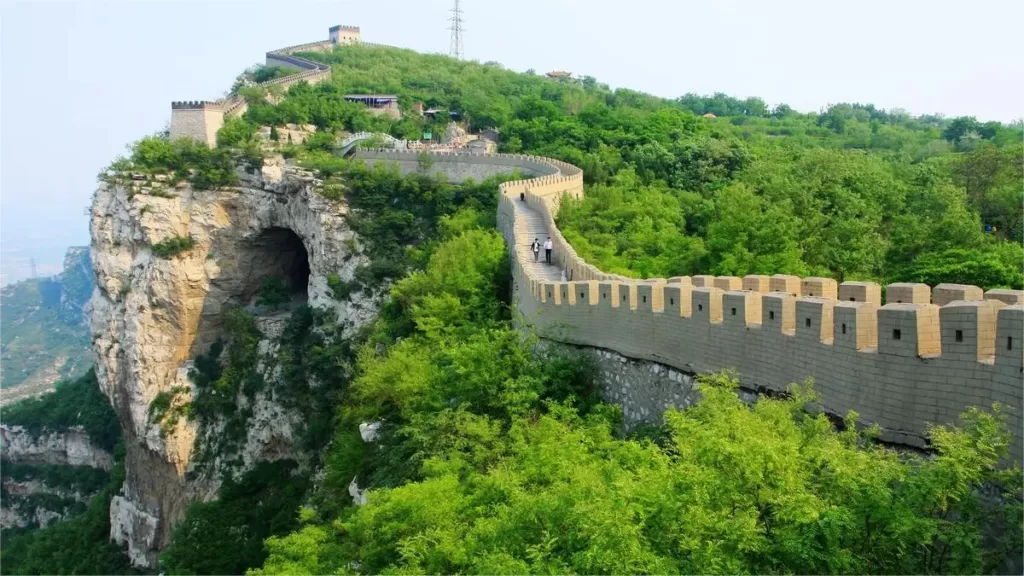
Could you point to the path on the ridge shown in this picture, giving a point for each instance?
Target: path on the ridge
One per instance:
(535, 228)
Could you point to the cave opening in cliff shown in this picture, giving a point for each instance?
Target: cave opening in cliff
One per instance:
(280, 267)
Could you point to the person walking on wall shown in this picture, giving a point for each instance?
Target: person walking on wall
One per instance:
(547, 250)
(535, 248)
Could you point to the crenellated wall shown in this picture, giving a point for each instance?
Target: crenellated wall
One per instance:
(922, 357)
(902, 365)
(202, 123)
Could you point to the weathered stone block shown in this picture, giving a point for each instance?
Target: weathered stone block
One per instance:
(945, 293)
(968, 328)
(707, 304)
(909, 330)
(785, 283)
(860, 292)
(703, 281)
(757, 283)
(907, 293)
(741, 307)
(819, 288)
(728, 283)
(814, 318)
(678, 299)
(1006, 296)
(778, 312)
(855, 324)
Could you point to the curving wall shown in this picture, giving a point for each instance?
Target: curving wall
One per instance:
(923, 357)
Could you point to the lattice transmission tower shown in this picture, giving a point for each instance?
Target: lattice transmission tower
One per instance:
(456, 47)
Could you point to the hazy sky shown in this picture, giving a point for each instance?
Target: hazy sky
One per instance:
(80, 80)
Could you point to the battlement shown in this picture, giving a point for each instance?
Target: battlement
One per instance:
(922, 357)
(338, 27)
(196, 105)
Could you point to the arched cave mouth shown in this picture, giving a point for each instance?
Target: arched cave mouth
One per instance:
(279, 269)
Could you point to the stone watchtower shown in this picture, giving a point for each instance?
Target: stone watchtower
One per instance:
(344, 34)
(197, 120)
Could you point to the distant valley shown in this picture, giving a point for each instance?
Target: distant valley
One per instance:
(44, 332)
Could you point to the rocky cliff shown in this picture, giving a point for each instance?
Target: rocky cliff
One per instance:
(170, 262)
(70, 447)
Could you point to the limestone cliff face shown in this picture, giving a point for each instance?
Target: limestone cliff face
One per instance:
(70, 447)
(152, 315)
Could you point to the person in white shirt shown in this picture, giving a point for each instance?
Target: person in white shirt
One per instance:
(547, 249)
(535, 248)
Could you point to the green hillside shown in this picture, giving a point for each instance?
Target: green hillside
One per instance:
(44, 334)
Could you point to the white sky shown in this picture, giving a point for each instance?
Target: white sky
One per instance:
(80, 80)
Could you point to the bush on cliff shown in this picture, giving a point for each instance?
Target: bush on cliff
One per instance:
(183, 159)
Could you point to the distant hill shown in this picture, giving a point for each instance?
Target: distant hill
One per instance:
(44, 332)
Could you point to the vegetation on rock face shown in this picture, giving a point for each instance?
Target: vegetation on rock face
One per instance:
(226, 536)
(172, 246)
(81, 544)
(184, 159)
(73, 403)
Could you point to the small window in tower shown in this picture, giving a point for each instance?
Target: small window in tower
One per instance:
(1009, 342)
(852, 299)
(700, 307)
(959, 335)
(771, 314)
(671, 301)
(645, 299)
(733, 311)
(581, 294)
(896, 334)
(807, 322)
(844, 328)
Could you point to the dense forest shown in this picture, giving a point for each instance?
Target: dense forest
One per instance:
(495, 454)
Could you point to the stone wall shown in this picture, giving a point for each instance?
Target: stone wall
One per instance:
(196, 120)
(903, 365)
(457, 167)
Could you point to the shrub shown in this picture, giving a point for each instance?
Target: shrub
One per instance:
(172, 246)
(273, 292)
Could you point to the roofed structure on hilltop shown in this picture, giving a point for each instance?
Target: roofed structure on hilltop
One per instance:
(378, 104)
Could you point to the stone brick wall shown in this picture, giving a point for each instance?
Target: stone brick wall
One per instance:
(903, 365)
(197, 120)
(189, 122)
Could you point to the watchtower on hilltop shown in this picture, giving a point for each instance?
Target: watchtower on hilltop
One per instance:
(197, 120)
(344, 34)
(200, 120)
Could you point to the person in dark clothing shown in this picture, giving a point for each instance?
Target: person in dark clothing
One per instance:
(535, 248)
(547, 249)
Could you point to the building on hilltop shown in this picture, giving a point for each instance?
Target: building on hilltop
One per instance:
(563, 76)
(200, 120)
(378, 104)
(344, 34)
(197, 120)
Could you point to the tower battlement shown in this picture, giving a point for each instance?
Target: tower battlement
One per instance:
(196, 105)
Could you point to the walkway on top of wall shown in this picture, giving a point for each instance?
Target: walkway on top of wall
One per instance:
(535, 228)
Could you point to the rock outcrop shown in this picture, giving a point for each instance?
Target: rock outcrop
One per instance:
(152, 315)
(69, 447)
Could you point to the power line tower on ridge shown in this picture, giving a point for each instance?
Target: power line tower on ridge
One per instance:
(32, 265)
(456, 47)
